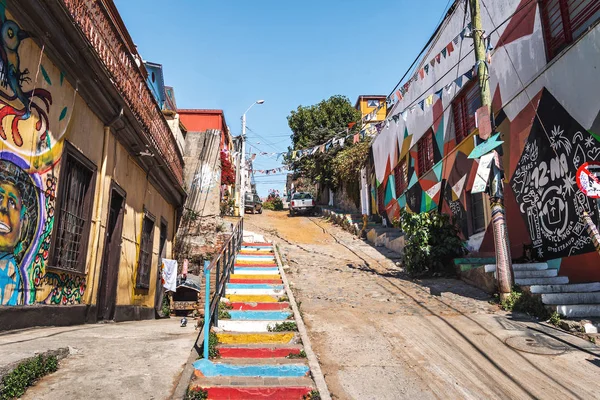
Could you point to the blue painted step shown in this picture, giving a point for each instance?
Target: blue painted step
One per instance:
(260, 315)
(253, 286)
(209, 369)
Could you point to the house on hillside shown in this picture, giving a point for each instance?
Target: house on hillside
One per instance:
(543, 63)
(91, 165)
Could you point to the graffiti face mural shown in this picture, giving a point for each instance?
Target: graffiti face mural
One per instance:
(36, 105)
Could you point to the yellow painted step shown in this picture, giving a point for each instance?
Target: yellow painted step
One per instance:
(251, 338)
(259, 277)
(251, 298)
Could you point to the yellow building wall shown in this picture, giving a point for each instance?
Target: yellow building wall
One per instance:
(31, 150)
(365, 109)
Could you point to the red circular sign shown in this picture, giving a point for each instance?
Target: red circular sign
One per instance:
(588, 179)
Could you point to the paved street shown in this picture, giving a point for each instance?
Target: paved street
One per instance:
(129, 360)
(380, 335)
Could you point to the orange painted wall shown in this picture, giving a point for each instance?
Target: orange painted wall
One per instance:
(202, 120)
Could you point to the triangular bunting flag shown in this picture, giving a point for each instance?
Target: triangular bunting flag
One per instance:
(459, 81)
(426, 68)
(450, 48)
(356, 138)
(438, 58)
(444, 52)
(432, 62)
(462, 34)
(439, 93)
(429, 100)
(455, 40)
(422, 104)
(422, 73)
(404, 114)
(399, 95)
(469, 74)
(322, 148)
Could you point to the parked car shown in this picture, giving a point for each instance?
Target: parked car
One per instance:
(253, 203)
(302, 203)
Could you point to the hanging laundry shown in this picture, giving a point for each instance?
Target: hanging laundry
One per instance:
(169, 274)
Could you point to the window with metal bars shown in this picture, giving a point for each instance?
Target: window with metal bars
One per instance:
(145, 258)
(477, 213)
(464, 107)
(565, 20)
(401, 176)
(381, 199)
(74, 205)
(425, 152)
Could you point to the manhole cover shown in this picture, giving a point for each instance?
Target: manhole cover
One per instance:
(536, 344)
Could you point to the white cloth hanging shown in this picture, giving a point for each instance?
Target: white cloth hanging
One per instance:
(169, 274)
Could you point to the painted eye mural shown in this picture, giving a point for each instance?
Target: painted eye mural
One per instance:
(36, 105)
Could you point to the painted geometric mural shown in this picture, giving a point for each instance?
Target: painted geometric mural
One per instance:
(544, 182)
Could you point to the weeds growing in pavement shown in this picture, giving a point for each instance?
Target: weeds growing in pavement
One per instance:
(302, 354)
(284, 327)
(15, 383)
(520, 301)
(554, 318)
(313, 395)
(196, 394)
(283, 299)
(224, 310)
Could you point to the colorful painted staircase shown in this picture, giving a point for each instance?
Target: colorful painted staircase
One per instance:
(253, 362)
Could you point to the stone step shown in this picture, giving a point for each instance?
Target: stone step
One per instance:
(229, 325)
(257, 392)
(556, 280)
(520, 267)
(568, 288)
(259, 315)
(276, 291)
(255, 271)
(262, 351)
(571, 298)
(250, 381)
(282, 370)
(266, 286)
(579, 310)
(252, 298)
(247, 338)
(279, 306)
(544, 273)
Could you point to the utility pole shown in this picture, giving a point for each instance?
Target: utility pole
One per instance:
(496, 186)
(243, 168)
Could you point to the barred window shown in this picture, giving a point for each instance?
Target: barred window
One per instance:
(74, 204)
(145, 258)
(565, 20)
(477, 212)
(425, 153)
(464, 107)
(401, 176)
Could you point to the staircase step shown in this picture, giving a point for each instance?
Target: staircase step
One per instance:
(259, 315)
(257, 352)
(571, 298)
(568, 288)
(544, 273)
(254, 286)
(263, 392)
(579, 310)
(278, 291)
(520, 267)
(229, 325)
(238, 338)
(279, 306)
(257, 244)
(209, 369)
(253, 298)
(255, 270)
(258, 280)
(242, 276)
(254, 264)
(249, 382)
(556, 280)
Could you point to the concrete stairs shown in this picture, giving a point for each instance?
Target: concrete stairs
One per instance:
(253, 362)
(579, 300)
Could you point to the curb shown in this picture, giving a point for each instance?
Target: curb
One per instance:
(313, 363)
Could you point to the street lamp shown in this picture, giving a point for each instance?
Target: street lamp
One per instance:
(242, 190)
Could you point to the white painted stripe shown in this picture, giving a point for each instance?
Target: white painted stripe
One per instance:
(255, 291)
(267, 271)
(230, 325)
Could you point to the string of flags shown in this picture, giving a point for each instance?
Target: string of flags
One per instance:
(271, 171)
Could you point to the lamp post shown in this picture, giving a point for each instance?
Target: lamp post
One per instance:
(242, 190)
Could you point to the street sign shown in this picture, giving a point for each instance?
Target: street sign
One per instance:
(587, 179)
(486, 146)
(483, 173)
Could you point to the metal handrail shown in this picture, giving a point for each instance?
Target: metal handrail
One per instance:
(222, 264)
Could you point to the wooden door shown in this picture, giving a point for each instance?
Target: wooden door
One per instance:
(111, 258)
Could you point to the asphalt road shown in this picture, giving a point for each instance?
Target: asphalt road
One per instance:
(380, 335)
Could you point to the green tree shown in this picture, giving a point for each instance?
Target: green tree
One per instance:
(314, 125)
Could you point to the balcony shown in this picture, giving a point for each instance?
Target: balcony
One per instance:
(96, 23)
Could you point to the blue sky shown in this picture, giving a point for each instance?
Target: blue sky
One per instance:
(227, 54)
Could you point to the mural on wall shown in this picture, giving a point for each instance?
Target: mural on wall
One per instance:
(544, 182)
(36, 105)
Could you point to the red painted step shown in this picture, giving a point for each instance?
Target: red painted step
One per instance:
(263, 352)
(257, 244)
(248, 393)
(267, 281)
(284, 305)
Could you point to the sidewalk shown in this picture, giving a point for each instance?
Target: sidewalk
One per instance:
(128, 360)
